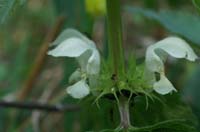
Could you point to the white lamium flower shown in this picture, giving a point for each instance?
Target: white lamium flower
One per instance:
(157, 53)
(72, 43)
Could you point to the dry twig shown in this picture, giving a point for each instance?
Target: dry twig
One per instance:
(40, 59)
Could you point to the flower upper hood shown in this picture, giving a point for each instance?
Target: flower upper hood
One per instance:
(74, 44)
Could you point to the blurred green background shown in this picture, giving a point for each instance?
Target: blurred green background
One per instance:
(27, 74)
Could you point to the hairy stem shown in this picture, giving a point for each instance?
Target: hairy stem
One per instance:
(40, 59)
(116, 54)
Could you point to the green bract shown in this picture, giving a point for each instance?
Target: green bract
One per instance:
(157, 53)
(73, 44)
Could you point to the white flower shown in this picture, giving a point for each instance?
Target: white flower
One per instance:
(79, 89)
(157, 53)
(71, 43)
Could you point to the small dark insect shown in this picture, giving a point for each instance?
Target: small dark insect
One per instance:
(114, 77)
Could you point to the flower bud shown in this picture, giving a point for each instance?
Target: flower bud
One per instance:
(96, 7)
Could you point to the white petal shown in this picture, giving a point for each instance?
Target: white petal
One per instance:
(152, 61)
(72, 47)
(70, 33)
(72, 43)
(149, 77)
(177, 48)
(83, 60)
(93, 80)
(78, 90)
(163, 86)
(93, 66)
(174, 46)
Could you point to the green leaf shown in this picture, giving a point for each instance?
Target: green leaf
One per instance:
(167, 126)
(178, 22)
(6, 6)
(196, 4)
(162, 116)
(191, 92)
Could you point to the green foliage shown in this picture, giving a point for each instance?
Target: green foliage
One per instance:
(168, 114)
(167, 126)
(164, 114)
(132, 82)
(196, 4)
(6, 6)
(191, 91)
(106, 114)
(75, 13)
(178, 22)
